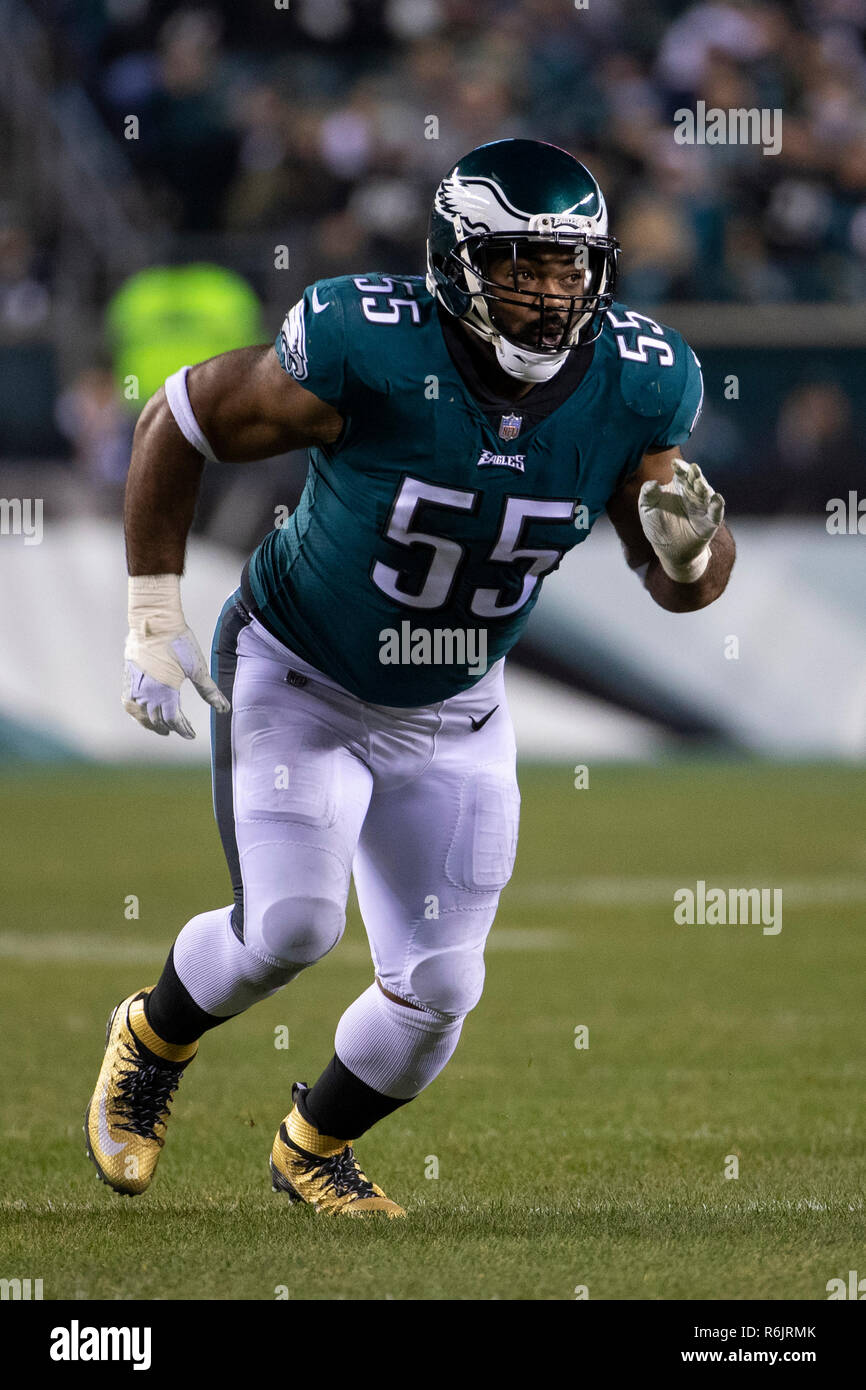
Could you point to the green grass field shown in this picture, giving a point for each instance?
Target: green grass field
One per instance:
(558, 1167)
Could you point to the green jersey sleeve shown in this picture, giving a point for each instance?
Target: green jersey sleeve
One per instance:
(311, 344)
(684, 416)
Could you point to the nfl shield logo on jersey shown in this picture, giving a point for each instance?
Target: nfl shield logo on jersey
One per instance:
(509, 426)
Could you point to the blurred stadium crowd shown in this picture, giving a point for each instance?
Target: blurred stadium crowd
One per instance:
(256, 118)
(309, 124)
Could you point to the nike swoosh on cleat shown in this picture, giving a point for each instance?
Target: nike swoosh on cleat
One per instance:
(318, 306)
(479, 723)
(110, 1146)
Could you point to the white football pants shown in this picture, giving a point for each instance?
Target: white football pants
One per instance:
(312, 785)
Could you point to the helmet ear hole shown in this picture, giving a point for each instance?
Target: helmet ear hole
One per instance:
(456, 300)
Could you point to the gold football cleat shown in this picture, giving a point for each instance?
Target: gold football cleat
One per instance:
(323, 1171)
(127, 1115)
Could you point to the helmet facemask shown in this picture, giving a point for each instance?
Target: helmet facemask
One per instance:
(533, 330)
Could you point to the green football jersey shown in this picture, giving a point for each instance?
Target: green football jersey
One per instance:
(420, 543)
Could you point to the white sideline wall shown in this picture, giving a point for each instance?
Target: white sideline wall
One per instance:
(797, 605)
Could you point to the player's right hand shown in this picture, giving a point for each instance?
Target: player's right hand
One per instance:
(161, 651)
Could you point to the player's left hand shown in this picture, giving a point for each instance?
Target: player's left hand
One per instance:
(679, 520)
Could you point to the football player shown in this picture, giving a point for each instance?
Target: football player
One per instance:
(465, 430)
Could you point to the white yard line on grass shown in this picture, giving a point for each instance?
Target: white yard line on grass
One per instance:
(92, 950)
(615, 893)
(652, 892)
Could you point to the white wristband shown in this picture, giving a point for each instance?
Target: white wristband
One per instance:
(179, 404)
(690, 572)
(153, 605)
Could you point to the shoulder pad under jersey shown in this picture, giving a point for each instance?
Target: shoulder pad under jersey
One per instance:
(659, 374)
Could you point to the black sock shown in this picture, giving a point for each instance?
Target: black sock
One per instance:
(172, 1012)
(342, 1105)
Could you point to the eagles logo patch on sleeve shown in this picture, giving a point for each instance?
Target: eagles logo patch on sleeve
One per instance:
(292, 343)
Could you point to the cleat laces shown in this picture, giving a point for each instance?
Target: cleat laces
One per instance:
(341, 1170)
(144, 1095)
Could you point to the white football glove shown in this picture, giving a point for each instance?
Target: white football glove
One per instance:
(679, 519)
(160, 653)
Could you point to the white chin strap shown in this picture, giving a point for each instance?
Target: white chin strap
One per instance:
(524, 364)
